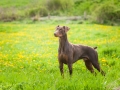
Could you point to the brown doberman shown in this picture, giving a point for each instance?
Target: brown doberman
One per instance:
(69, 53)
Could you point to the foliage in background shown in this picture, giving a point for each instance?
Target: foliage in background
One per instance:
(101, 11)
(107, 13)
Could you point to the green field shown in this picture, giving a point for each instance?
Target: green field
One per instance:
(28, 57)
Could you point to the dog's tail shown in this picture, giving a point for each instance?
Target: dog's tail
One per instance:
(95, 47)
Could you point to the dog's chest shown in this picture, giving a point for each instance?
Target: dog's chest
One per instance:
(63, 58)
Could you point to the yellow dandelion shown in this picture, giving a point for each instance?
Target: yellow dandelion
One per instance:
(104, 60)
(20, 55)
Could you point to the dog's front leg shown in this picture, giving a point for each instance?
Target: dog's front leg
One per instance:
(61, 69)
(70, 68)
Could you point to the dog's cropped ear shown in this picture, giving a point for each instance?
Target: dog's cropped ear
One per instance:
(66, 28)
(57, 27)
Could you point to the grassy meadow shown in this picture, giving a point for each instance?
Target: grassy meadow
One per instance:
(28, 57)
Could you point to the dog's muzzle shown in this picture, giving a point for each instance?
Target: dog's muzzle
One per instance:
(55, 34)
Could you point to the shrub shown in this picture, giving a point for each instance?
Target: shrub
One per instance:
(82, 6)
(116, 16)
(9, 14)
(43, 11)
(33, 12)
(106, 13)
(58, 5)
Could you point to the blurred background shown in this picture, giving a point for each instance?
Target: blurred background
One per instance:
(94, 11)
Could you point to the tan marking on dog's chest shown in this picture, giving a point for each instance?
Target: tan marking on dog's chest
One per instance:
(63, 58)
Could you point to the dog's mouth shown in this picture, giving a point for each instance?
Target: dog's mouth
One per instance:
(55, 35)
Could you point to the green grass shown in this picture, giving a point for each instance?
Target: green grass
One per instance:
(14, 3)
(28, 57)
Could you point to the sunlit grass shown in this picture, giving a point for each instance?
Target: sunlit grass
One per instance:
(28, 57)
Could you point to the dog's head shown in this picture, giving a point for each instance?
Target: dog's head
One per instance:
(61, 31)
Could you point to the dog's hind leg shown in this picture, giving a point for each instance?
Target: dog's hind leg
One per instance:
(97, 66)
(89, 66)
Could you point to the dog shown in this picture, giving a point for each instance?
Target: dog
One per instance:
(69, 53)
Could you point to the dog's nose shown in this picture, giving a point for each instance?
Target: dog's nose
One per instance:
(55, 35)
